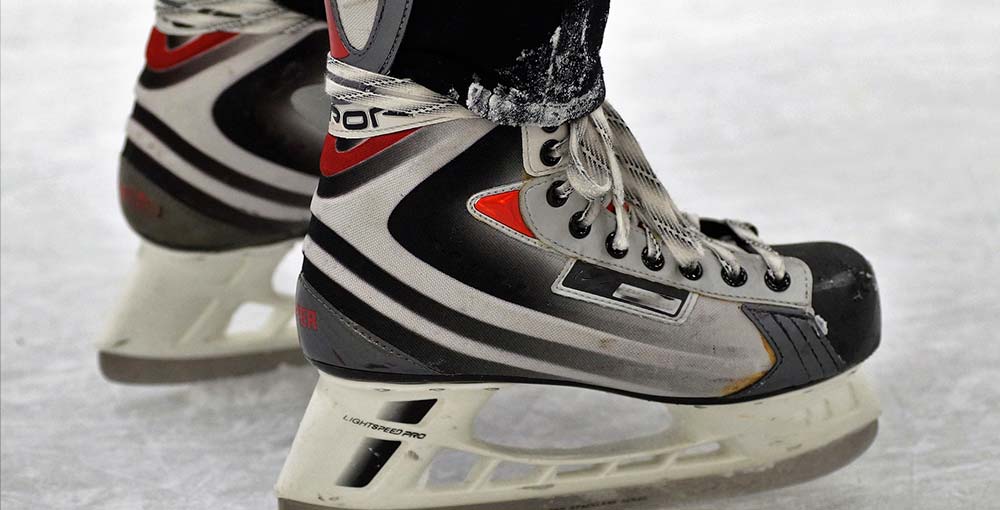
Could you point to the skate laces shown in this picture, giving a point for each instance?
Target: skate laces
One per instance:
(603, 163)
(193, 17)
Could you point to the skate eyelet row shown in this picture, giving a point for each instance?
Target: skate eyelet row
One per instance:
(576, 227)
(553, 197)
(694, 272)
(546, 153)
(609, 244)
(735, 280)
(550, 129)
(777, 285)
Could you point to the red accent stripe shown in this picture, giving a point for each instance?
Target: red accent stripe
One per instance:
(337, 48)
(505, 208)
(332, 162)
(160, 57)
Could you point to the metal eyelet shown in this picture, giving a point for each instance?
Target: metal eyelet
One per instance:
(550, 129)
(545, 154)
(735, 281)
(576, 227)
(692, 272)
(609, 243)
(651, 263)
(777, 285)
(553, 197)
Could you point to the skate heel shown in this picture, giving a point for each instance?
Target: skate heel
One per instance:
(365, 445)
(172, 324)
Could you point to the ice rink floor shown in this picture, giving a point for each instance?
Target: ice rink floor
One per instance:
(874, 123)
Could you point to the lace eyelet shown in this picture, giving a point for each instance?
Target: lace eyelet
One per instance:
(609, 243)
(692, 272)
(552, 195)
(545, 154)
(550, 129)
(735, 281)
(651, 263)
(576, 228)
(777, 285)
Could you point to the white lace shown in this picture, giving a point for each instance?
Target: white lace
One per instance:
(193, 17)
(603, 163)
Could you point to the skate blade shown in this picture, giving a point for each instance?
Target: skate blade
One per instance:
(364, 446)
(132, 370)
(801, 469)
(180, 318)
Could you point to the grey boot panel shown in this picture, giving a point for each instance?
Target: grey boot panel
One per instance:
(331, 338)
(171, 218)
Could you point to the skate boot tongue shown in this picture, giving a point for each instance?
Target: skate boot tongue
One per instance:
(602, 160)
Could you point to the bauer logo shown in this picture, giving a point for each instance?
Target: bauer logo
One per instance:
(350, 117)
(355, 120)
(307, 318)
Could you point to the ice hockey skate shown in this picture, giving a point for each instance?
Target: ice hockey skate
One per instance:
(462, 261)
(216, 177)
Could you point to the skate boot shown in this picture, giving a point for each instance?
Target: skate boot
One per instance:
(216, 177)
(456, 261)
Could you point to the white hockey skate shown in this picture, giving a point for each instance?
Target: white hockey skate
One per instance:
(216, 176)
(463, 260)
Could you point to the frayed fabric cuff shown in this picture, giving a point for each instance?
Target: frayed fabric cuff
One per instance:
(512, 107)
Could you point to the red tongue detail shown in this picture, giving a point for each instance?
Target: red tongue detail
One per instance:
(505, 208)
(160, 56)
(333, 161)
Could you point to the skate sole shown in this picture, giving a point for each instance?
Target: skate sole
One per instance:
(135, 370)
(806, 467)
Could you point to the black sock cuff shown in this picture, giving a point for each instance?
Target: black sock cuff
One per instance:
(516, 62)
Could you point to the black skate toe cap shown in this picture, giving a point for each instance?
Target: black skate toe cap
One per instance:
(845, 295)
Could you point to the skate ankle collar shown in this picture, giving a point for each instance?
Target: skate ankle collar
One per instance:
(366, 104)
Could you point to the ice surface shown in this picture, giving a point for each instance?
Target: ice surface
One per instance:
(872, 122)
